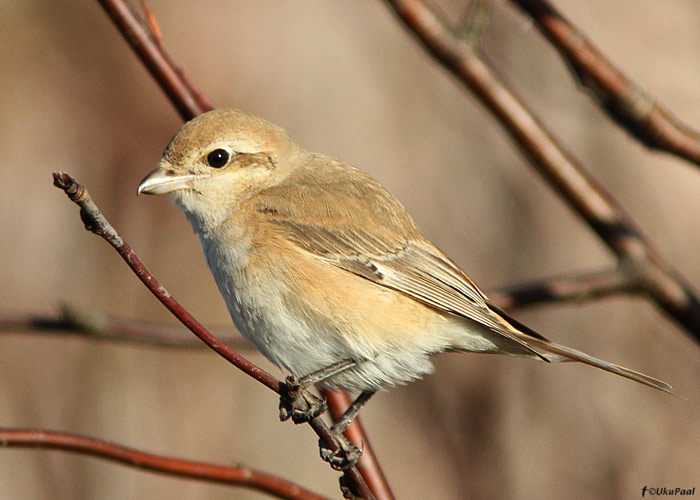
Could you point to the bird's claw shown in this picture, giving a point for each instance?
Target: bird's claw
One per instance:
(344, 457)
(297, 403)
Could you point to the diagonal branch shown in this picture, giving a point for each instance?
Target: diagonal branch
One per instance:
(671, 291)
(230, 475)
(95, 222)
(623, 99)
(146, 44)
(368, 465)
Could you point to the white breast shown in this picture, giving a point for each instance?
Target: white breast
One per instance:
(257, 305)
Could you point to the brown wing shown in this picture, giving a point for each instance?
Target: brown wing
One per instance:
(371, 235)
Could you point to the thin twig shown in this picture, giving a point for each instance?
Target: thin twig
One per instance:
(630, 106)
(230, 475)
(369, 467)
(90, 324)
(146, 43)
(576, 287)
(351, 478)
(671, 291)
(95, 222)
(72, 320)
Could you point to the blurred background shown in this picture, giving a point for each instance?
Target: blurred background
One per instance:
(346, 79)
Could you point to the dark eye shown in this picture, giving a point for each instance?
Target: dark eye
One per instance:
(218, 158)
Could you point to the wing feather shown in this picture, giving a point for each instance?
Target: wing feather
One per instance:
(411, 267)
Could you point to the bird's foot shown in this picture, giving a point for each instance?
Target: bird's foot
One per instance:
(344, 456)
(297, 403)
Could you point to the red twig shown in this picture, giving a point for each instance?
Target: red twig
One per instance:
(146, 43)
(231, 475)
(623, 99)
(651, 274)
(95, 222)
(369, 467)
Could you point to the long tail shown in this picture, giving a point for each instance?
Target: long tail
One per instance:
(569, 354)
(557, 352)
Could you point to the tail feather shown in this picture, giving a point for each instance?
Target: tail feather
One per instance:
(569, 354)
(556, 352)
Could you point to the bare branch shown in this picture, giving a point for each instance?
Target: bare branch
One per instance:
(230, 475)
(351, 479)
(96, 223)
(146, 43)
(72, 320)
(576, 287)
(623, 99)
(90, 324)
(369, 467)
(672, 292)
(93, 325)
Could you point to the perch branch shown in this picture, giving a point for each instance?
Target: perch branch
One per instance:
(368, 465)
(96, 223)
(230, 475)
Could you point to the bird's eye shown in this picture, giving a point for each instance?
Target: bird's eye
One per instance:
(218, 158)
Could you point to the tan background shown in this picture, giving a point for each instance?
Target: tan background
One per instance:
(345, 79)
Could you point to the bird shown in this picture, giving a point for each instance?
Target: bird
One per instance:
(323, 270)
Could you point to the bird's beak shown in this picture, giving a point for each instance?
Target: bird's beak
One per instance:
(162, 180)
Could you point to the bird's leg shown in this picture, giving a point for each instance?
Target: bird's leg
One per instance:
(353, 410)
(347, 454)
(297, 403)
(314, 378)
